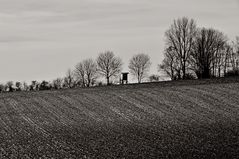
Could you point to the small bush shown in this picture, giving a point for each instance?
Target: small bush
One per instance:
(190, 76)
(232, 73)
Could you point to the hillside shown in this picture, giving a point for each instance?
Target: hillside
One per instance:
(185, 119)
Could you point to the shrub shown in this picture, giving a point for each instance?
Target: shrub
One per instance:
(232, 73)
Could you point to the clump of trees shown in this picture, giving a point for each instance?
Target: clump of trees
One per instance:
(193, 52)
(23, 86)
(86, 72)
(57, 83)
(69, 80)
(208, 53)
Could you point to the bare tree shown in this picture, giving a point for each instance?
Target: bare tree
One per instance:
(108, 65)
(231, 66)
(69, 79)
(139, 66)
(171, 64)
(180, 37)
(80, 73)
(90, 71)
(57, 83)
(234, 58)
(209, 51)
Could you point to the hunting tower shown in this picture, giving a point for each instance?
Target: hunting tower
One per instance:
(124, 78)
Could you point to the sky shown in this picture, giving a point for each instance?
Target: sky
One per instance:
(41, 39)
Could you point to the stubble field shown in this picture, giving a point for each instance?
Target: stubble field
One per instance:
(187, 119)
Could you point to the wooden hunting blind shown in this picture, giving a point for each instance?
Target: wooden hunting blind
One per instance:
(124, 78)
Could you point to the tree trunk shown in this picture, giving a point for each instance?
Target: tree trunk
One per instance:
(184, 69)
(213, 69)
(172, 73)
(219, 71)
(206, 73)
(89, 81)
(108, 80)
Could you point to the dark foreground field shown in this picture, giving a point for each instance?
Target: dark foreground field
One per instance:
(192, 119)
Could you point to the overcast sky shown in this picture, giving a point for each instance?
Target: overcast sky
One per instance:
(41, 39)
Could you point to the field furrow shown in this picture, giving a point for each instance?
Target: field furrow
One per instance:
(156, 120)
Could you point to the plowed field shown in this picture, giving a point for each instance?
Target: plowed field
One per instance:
(190, 119)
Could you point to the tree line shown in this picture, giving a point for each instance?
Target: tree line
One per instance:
(190, 53)
(86, 73)
(193, 52)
